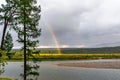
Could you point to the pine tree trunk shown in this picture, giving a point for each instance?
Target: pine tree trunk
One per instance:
(3, 35)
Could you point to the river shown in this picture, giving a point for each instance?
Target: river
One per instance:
(50, 71)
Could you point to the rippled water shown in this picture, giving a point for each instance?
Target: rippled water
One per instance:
(50, 71)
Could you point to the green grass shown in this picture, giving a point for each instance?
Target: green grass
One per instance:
(77, 56)
(5, 79)
(68, 56)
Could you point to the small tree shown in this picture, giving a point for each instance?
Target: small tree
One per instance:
(8, 44)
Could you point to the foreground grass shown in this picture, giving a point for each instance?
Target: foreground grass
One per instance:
(5, 79)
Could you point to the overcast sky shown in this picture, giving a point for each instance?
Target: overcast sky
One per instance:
(79, 23)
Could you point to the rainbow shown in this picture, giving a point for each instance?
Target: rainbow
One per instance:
(55, 39)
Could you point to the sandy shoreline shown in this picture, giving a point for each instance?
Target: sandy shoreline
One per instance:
(105, 65)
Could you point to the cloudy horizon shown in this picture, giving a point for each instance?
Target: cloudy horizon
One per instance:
(79, 23)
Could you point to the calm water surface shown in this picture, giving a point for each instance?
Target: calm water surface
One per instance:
(50, 71)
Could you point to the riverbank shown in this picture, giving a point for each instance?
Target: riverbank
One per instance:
(104, 65)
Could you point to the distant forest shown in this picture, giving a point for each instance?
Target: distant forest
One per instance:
(103, 50)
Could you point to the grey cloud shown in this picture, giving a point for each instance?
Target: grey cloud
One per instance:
(87, 23)
(92, 23)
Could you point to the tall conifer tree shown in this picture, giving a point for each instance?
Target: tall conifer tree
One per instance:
(25, 24)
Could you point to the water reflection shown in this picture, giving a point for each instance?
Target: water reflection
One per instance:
(32, 71)
(50, 71)
(2, 65)
(15, 70)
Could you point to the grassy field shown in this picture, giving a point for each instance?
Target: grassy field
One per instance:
(71, 53)
(77, 56)
(68, 56)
